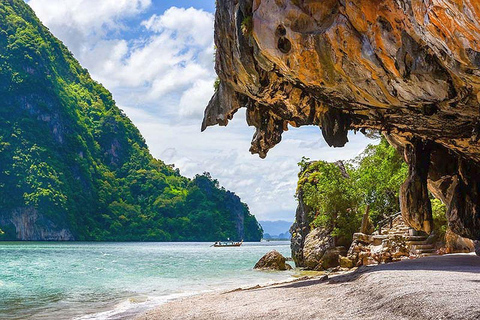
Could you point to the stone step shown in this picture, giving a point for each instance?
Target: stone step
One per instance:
(422, 251)
(423, 246)
(415, 238)
(428, 254)
(416, 242)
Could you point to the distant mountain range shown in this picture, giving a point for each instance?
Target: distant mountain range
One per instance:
(276, 229)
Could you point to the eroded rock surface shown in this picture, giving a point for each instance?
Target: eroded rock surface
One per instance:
(317, 243)
(407, 68)
(30, 225)
(299, 231)
(273, 260)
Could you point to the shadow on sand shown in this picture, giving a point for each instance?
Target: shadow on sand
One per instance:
(449, 263)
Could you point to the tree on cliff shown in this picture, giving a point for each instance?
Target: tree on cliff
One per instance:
(74, 166)
(379, 172)
(328, 190)
(337, 193)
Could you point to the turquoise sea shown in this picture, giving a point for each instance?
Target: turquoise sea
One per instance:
(72, 280)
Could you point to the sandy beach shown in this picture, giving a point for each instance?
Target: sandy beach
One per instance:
(437, 287)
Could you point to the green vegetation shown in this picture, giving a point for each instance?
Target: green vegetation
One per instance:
(337, 194)
(332, 197)
(379, 172)
(440, 225)
(247, 26)
(67, 151)
(216, 84)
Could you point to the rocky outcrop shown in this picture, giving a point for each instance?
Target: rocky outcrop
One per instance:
(456, 244)
(317, 242)
(299, 231)
(310, 245)
(319, 250)
(396, 241)
(410, 69)
(367, 250)
(273, 260)
(28, 224)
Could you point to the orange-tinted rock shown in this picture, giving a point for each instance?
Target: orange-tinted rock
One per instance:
(408, 68)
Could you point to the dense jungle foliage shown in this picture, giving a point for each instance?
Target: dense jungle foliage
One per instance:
(338, 193)
(67, 151)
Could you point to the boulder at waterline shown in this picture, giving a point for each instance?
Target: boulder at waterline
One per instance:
(273, 260)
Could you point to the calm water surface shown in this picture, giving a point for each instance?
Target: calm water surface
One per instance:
(47, 280)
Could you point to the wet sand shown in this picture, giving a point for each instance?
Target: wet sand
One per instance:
(438, 287)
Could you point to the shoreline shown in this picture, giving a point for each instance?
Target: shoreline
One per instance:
(434, 287)
(129, 308)
(115, 281)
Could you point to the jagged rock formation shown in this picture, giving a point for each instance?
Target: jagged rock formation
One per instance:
(319, 250)
(409, 69)
(31, 225)
(313, 248)
(299, 231)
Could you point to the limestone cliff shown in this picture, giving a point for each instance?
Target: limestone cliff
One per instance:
(26, 223)
(74, 167)
(407, 68)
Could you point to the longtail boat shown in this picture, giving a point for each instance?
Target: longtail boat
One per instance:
(219, 244)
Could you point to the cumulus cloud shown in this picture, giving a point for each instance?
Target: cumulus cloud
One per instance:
(266, 185)
(160, 70)
(79, 23)
(171, 60)
(191, 26)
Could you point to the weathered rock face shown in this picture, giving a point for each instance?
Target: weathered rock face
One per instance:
(28, 224)
(414, 201)
(299, 231)
(317, 242)
(407, 68)
(319, 251)
(273, 260)
(456, 244)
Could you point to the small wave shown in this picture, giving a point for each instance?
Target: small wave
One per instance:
(134, 306)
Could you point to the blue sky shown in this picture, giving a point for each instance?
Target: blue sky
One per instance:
(156, 57)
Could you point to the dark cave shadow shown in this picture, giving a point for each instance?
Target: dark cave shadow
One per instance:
(447, 263)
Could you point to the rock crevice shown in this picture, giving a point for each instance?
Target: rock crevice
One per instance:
(409, 69)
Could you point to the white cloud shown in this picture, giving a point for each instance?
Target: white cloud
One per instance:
(192, 25)
(164, 78)
(88, 16)
(80, 22)
(174, 56)
(193, 100)
(267, 185)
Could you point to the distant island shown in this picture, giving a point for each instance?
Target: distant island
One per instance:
(73, 165)
(276, 230)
